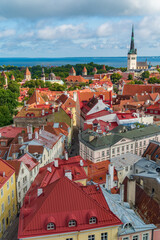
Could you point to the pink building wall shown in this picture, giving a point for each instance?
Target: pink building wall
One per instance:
(140, 234)
(156, 234)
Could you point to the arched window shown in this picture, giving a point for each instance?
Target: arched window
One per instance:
(92, 220)
(50, 226)
(27, 115)
(72, 223)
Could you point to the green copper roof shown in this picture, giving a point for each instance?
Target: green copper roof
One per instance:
(101, 141)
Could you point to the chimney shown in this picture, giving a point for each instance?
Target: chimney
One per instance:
(42, 112)
(91, 137)
(66, 155)
(49, 169)
(36, 135)
(75, 96)
(29, 136)
(108, 182)
(111, 173)
(81, 163)
(31, 129)
(39, 192)
(20, 140)
(28, 128)
(56, 163)
(122, 193)
(68, 174)
(13, 156)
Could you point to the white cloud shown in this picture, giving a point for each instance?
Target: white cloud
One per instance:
(7, 33)
(63, 32)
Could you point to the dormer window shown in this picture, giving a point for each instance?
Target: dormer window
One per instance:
(72, 223)
(92, 220)
(50, 226)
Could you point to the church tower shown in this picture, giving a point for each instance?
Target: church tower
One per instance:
(132, 54)
(43, 75)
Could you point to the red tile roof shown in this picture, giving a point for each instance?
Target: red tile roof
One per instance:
(29, 161)
(130, 89)
(46, 176)
(76, 204)
(72, 70)
(10, 131)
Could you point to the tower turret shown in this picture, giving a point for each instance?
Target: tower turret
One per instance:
(132, 54)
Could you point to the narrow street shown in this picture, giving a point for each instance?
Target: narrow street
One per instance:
(12, 231)
(74, 150)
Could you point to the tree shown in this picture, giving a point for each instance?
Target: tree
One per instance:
(130, 77)
(115, 77)
(14, 87)
(145, 74)
(5, 116)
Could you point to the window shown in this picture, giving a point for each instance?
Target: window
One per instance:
(19, 184)
(126, 238)
(107, 152)
(113, 151)
(12, 193)
(135, 237)
(1, 192)
(126, 169)
(7, 185)
(131, 167)
(117, 149)
(127, 147)
(69, 238)
(145, 236)
(50, 226)
(13, 207)
(19, 194)
(123, 149)
(144, 142)
(140, 144)
(92, 220)
(104, 236)
(12, 180)
(72, 223)
(2, 207)
(131, 146)
(22, 170)
(9, 200)
(91, 237)
(102, 153)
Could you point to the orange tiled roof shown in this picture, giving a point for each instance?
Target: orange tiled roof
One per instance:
(27, 71)
(36, 98)
(78, 79)
(6, 171)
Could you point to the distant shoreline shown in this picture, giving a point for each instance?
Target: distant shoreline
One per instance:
(110, 61)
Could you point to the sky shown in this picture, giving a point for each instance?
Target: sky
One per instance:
(78, 28)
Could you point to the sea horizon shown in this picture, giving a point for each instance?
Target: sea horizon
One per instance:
(59, 61)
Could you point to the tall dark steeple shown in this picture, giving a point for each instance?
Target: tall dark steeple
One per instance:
(132, 49)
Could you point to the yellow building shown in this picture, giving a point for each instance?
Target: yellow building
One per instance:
(65, 210)
(8, 200)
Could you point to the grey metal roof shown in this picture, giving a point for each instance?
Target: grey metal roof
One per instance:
(124, 160)
(126, 215)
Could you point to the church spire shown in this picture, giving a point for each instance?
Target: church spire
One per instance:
(132, 49)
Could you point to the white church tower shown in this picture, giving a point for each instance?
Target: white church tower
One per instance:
(132, 54)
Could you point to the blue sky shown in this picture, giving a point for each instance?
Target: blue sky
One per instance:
(70, 28)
